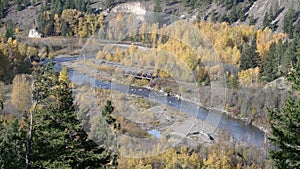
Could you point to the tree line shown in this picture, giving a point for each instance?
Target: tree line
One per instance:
(70, 22)
(14, 59)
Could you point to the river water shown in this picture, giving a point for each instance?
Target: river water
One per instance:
(240, 131)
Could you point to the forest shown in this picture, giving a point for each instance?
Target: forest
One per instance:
(42, 124)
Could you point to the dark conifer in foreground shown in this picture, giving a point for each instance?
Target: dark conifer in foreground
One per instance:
(58, 137)
(285, 127)
(50, 136)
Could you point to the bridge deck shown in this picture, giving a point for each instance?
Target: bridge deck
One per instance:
(140, 76)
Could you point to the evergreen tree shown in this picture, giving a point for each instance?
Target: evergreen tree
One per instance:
(59, 140)
(12, 144)
(286, 60)
(249, 57)
(5, 3)
(242, 16)
(4, 65)
(290, 55)
(1, 10)
(19, 5)
(64, 29)
(2, 96)
(285, 127)
(280, 50)
(10, 30)
(213, 16)
(233, 16)
(57, 7)
(251, 20)
(268, 18)
(42, 23)
(50, 26)
(228, 4)
(69, 5)
(294, 77)
(269, 69)
(223, 18)
(296, 30)
(157, 7)
(26, 2)
(106, 113)
(288, 21)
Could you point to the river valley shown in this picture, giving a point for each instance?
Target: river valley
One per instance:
(237, 128)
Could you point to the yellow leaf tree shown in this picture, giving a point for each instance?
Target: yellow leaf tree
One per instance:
(63, 75)
(21, 93)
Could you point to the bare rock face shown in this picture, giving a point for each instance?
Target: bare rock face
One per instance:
(280, 83)
(260, 7)
(131, 7)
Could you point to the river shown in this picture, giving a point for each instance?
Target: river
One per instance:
(237, 128)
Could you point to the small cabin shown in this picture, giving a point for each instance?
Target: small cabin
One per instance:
(33, 33)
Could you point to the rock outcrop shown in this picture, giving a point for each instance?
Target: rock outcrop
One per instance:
(130, 7)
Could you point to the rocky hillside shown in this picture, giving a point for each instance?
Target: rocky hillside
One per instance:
(249, 13)
(260, 7)
(24, 19)
(252, 12)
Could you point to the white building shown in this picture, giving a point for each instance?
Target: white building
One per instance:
(34, 34)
